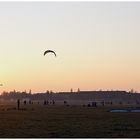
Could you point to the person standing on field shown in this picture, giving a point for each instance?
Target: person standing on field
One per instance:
(18, 104)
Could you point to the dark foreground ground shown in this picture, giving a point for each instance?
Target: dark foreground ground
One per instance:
(38, 121)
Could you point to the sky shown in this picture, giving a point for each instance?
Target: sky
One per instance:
(97, 46)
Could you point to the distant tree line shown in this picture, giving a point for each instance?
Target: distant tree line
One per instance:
(50, 95)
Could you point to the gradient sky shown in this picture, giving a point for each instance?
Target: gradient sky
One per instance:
(97, 46)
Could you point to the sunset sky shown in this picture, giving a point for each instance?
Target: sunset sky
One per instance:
(97, 46)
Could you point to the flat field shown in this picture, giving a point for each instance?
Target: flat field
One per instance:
(39, 121)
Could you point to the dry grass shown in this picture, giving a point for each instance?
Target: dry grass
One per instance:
(66, 122)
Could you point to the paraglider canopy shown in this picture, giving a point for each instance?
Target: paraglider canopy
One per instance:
(49, 51)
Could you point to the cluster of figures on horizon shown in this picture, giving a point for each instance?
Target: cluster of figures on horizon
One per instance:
(91, 104)
(52, 102)
(46, 102)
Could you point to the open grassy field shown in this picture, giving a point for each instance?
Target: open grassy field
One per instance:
(38, 121)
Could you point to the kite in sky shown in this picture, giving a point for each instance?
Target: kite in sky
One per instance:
(49, 51)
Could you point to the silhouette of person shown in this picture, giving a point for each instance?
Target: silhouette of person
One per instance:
(44, 102)
(65, 102)
(53, 102)
(18, 104)
(94, 104)
(25, 102)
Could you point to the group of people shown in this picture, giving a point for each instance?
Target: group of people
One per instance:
(47, 102)
(25, 102)
(30, 102)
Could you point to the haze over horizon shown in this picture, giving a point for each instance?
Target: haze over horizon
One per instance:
(97, 46)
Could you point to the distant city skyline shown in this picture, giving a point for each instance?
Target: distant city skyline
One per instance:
(97, 46)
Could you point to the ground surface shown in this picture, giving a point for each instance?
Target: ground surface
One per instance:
(66, 122)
